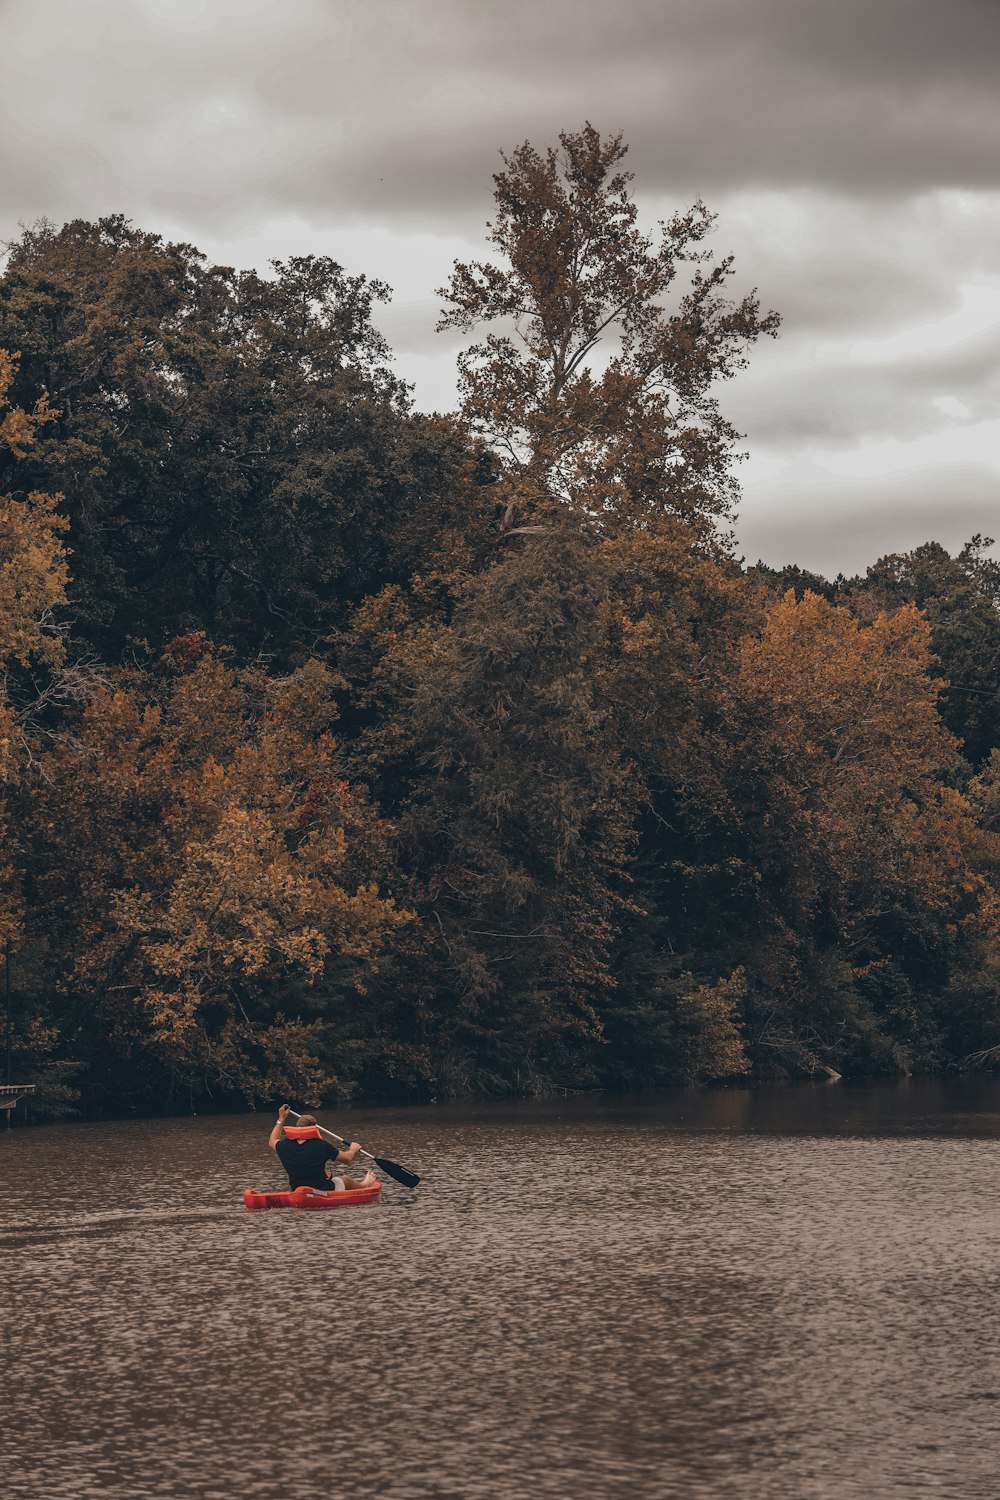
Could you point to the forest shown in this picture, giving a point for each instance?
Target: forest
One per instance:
(349, 752)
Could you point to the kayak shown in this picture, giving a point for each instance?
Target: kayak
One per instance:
(307, 1197)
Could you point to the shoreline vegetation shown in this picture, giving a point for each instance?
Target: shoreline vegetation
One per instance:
(352, 753)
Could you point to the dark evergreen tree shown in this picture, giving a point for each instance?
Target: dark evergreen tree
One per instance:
(960, 597)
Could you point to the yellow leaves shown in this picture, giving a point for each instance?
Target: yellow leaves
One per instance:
(33, 570)
(833, 738)
(813, 653)
(205, 704)
(236, 905)
(243, 908)
(33, 576)
(307, 948)
(304, 700)
(639, 635)
(173, 1017)
(18, 427)
(859, 695)
(710, 1041)
(219, 857)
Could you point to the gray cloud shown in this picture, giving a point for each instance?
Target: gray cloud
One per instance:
(788, 398)
(830, 262)
(832, 525)
(231, 111)
(843, 276)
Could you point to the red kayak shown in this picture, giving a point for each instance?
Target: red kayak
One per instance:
(307, 1197)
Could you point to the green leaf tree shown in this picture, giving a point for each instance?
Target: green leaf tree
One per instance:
(237, 456)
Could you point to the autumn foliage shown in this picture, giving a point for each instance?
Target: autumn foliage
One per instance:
(220, 869)
(350, 752)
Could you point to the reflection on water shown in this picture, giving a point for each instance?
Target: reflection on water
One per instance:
(786, 1293)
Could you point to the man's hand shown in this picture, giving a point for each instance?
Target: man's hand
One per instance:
(348, 1153)
(282, 1113)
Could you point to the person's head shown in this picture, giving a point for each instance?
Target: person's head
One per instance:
(307, 1119)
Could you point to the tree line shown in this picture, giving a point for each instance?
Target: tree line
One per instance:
(348, 751)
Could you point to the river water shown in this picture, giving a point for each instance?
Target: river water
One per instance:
(785, 1293)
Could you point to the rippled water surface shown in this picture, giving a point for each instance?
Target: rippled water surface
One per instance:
(792, 1293)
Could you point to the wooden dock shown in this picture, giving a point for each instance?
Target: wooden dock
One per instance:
(10, 1093)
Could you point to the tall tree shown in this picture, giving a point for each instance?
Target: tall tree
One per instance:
(643, 434)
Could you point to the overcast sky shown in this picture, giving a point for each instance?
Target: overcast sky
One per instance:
(851, 151)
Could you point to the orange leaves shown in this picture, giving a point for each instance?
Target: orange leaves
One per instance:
(819, 660)
(236, 910)
(185, 652)
(842, 700)
(33, 569)
(709, 1042)
(18, 427)
(32, 578)
(33, 575)
(832, 732)
(201, 857)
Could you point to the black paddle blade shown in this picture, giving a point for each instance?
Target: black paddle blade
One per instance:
(393, 1169)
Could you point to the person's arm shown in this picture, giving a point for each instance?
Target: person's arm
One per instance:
(343, 1157)
(279, 1128)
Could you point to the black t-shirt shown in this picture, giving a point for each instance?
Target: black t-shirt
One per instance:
(303, 1161)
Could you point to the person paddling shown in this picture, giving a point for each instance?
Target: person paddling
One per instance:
(305, 1156)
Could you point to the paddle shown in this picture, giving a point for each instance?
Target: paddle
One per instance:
(390, 1168)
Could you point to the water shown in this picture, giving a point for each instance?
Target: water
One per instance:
(792, 1293)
